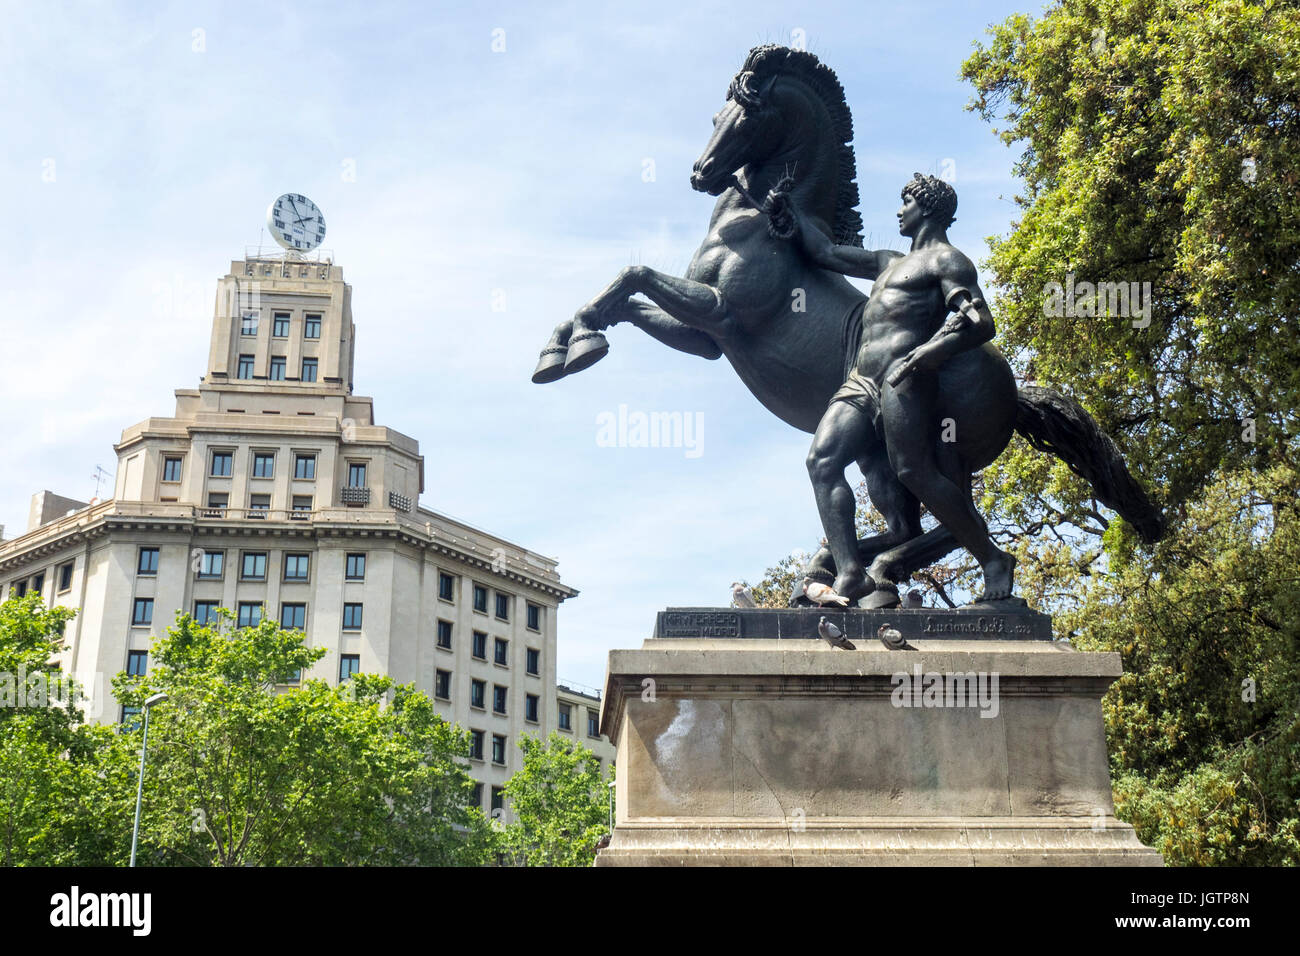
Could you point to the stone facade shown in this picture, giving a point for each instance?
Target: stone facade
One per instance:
(272, 490)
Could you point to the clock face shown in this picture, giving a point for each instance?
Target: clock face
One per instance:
(296, 222)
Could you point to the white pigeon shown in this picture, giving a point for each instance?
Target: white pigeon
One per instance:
(823, 594)
(833, 636)
(893, 639)
(742, 596)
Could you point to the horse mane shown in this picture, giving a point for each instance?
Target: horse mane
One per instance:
(771, 59)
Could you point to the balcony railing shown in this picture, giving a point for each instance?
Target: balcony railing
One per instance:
(354, 496)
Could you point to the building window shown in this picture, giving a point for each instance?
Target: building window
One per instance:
(254, 566)
(137, 663)
(478, 795)
(311, 326)
(65, 576)
(355, 569)
(297, 567)
(480, 598)
(205, 612)
(593, 723)
(498, 750)
(222, 464)
(212, 564)
(351, 617)
(444, 635)
(349, 664)
(501, 651)
(129, 715)
(566, 717)
(245, 369)
(293, 616)
(248, 323)
(476, 745)
(142, 613)
(498, 798)
(534, 617)
(280, 325)
(20, 589)
(217, 501)
(530, 708)
(478, 646)
(258, 505)
(498, 699)
(534, 662)
(477, 693)
(304, 466)
(309, 370)
(38, 583)
(503, 607)
(277, 368)
(172, 469)
(250, 614)
(446, 587)
(264, 464)
(148, 562)
(356, 474)
(302, 505)
(442, 685)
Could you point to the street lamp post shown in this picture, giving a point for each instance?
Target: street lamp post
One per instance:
(139, 793)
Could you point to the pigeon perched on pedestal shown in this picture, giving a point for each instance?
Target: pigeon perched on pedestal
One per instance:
(893, 639)
(741, 596)
(833, 636)
(913, 600)
(823, 594)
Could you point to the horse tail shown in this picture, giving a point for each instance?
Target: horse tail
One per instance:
(1060, 426)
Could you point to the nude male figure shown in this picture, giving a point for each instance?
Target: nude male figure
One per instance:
(907, 334)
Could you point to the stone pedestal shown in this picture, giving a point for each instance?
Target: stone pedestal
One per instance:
(786, 751)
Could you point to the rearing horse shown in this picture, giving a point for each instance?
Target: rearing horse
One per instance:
(791, 329)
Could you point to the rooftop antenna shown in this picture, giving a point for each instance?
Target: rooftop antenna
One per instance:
(100, 476)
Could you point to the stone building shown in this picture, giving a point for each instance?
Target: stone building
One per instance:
(272, 490)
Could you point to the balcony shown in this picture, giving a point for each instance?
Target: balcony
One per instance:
(354, 496)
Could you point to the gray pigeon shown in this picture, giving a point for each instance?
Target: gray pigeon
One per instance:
(741, 596)
(892, 639)
(914, 599)
(833, 636)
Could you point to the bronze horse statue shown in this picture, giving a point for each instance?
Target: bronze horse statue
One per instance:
(791, 329)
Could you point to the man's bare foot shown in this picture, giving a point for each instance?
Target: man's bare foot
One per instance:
(998, 573)
(854, 583)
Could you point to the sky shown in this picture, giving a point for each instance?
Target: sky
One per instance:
(483, 172)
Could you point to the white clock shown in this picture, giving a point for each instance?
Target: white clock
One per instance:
(296, 222)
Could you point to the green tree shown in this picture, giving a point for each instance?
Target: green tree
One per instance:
(1157, 143)
(60, 779)
(560, 804)
(245, 771)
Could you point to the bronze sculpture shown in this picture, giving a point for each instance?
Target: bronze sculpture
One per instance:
(873, 379)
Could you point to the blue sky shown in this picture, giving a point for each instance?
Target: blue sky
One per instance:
(144, 142)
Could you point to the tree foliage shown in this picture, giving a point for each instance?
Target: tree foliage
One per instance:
(1157, 143)
(559, 801)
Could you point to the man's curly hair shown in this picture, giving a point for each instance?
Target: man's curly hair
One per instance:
(935, 196)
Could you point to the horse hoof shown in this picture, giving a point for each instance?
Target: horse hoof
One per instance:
(550, 366)
(585, 350)
(881, 598)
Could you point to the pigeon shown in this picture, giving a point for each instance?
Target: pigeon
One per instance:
(913, 599)
(833, 636)
(741, 596)
(892, 639)
(820, 593)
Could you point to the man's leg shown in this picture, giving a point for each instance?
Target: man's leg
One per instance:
(841, 436)
(911, 434)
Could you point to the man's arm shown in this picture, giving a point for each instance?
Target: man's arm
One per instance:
(849, 260)
(970, 327)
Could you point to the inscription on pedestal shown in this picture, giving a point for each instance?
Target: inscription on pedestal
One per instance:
(967, 624)
(699, 624)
